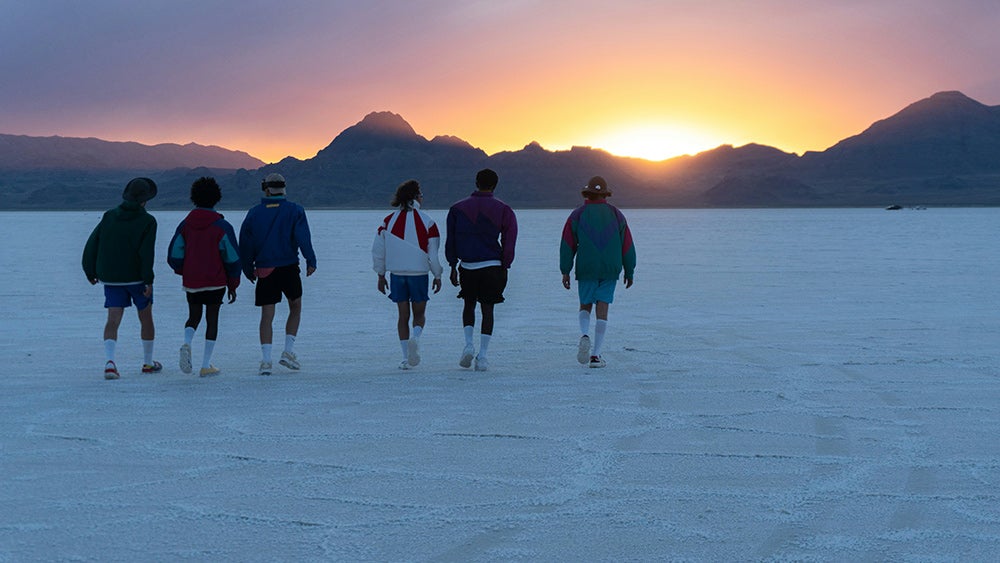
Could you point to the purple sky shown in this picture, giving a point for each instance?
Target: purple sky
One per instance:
(280, 78)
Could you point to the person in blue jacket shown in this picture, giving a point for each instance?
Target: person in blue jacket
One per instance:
(272, 234)
(203, 251)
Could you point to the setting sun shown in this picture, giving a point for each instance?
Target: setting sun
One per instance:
(655, 142)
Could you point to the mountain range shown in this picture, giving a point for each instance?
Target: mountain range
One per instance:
(942, 150)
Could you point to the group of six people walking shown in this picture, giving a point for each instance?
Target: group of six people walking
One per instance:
(481, 235)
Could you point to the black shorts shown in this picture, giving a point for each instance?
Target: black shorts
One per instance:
(283, 280)
(210, 297)
(484, 285)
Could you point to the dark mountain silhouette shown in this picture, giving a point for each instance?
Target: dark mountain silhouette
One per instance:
(22, 152)
(944, 150)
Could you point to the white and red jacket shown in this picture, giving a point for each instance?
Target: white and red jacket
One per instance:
(407, 244)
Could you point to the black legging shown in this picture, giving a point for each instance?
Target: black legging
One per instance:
(469, 316)
(211, 319)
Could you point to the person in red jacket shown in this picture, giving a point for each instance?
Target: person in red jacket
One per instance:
(204, 252)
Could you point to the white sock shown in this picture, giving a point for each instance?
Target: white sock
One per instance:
(404, 345)
(600, 327)
(584, 322)
(206, 360)
(109, 350)
(147, 352)
(188, 335)
(484, 344)
(417, 331)
(468, 335)
(265, 350)
(290, 343)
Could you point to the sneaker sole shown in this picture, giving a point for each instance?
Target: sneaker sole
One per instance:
(466, 360)
(583, 351)
(288, 365)
(413, 353)
(111, 375)
(185, 361)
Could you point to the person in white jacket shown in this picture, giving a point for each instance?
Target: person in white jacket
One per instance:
(406, 245)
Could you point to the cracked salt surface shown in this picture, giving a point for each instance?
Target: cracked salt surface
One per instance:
(781, 384)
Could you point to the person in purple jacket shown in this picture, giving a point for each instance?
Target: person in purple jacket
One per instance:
(204, 252)
(481, 234)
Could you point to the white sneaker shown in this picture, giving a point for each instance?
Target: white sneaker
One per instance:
(186, 358)
(583, 350)
(289, 360)
(265, 368)
(482, 364)
(467, 355)
(405, 364)
(111, 370)
(597, 362)
(413, 351)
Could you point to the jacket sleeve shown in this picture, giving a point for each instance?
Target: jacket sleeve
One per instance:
(228, 250)
(147, 251)
(175, 251)
(450, 254)
(378, 251)
(90, 253)
(304, 239)
(567, 246)
(433, 249)
(508, 236)
(247, 246)
(628, 251)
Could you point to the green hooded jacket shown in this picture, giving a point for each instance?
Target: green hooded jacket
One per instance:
(121, 248)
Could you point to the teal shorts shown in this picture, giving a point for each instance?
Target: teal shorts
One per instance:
(592, 291)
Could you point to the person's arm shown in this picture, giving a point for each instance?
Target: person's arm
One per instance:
(508, 237)
(304, 239)
(89, 260)
(628, 254)
(147, 253)
(246, 246)
(378, 258)
(228, 251)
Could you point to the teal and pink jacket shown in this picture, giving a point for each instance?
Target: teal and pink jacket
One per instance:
(597, 235)
(204, 252)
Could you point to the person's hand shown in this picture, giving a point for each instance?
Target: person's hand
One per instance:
(436, 285)
(310, 270)
(382, 284)
(454, 277)
(232, 296)
(566, 281)
(628, 283)
(148, 292)
(93, 281)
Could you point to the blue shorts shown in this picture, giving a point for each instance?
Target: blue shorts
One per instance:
(408, 288)
(124, 295)
(592, 291)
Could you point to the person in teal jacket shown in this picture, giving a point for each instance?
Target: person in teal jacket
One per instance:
(119, 253)
(596, 234)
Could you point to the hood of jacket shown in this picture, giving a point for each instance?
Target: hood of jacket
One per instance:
(201, 218)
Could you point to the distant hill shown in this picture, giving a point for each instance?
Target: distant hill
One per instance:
(943, 150)
(21, 152)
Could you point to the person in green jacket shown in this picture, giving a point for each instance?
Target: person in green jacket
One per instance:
(119, 254)
(597, 235)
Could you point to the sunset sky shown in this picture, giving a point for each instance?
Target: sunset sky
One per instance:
(640, 78)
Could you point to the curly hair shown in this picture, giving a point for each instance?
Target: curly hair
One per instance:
(405, 194)
(205, 192)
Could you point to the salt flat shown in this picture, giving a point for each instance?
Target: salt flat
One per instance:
(782, 385)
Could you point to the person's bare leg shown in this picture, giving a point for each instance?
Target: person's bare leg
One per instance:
(419, 313)
(148, 330)
(115, 315)
(403, 321)
(266, 319)
(294, 316)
